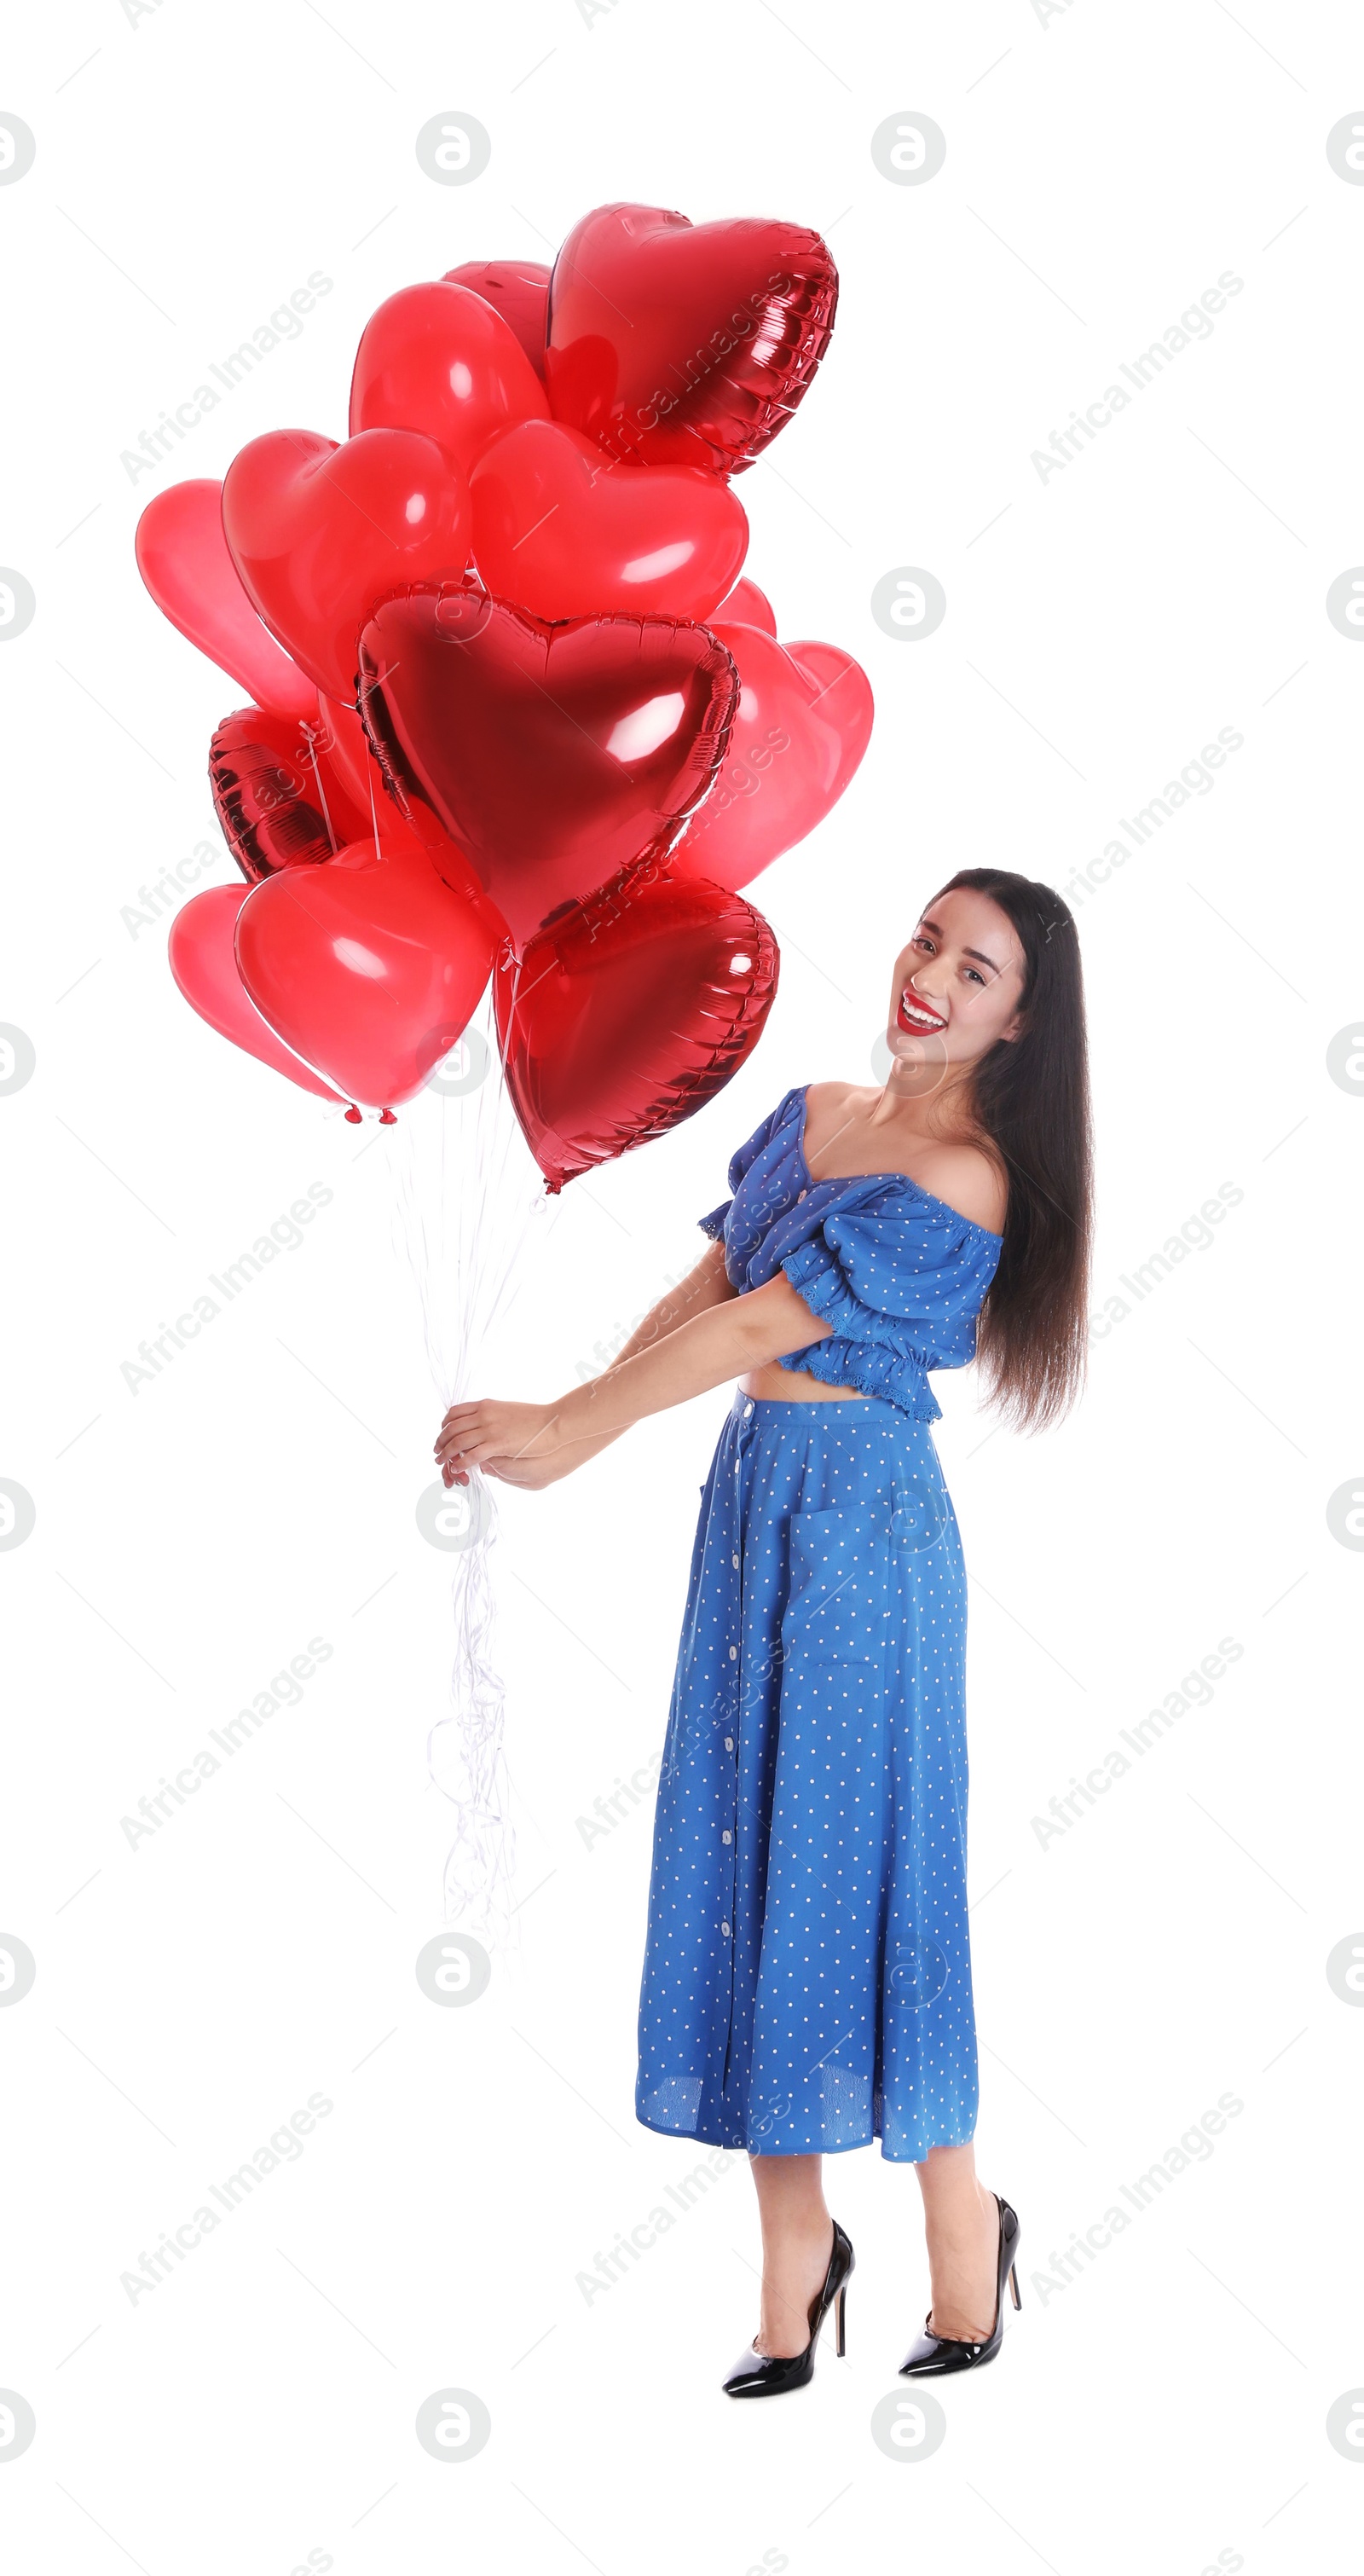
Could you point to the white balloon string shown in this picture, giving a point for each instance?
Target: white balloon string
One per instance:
(466, 1196)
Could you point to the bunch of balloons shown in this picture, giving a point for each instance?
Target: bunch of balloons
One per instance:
(515, 713)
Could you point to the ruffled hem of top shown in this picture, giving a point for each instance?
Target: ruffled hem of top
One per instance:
(818, 1279)
(873, 1371)
(869, 1366)
(714, 1224)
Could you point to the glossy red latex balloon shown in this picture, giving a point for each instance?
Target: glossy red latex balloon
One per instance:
(204, 967)
(554, 756)
(368, 967)
(626, 1016)
(183, 559)
(518, 289)
(746, 605)
(804, 721)
(439, 359)
(349, 751)
(280, 802)
(565, 532)
(319, 532)
(685, 344)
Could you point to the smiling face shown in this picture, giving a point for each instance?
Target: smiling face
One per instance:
(958, 985)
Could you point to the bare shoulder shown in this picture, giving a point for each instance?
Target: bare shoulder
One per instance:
(968, 1179)
(830, 1104)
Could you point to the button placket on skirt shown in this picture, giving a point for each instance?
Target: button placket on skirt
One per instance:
(729, 1764)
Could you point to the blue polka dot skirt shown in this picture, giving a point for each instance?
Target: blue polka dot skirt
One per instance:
(807, 1969)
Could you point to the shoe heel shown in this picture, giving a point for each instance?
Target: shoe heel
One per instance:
(1013, 2285)
(839, 2343)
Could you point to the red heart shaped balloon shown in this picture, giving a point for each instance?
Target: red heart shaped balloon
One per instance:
(685, 344)
(518, 289)
(629, 1014)
(204, 966)
(566, 532)
(368, 967)
(746, 605)
(803, 722)
(554, 756)
(438, 359)
(183, 559)
(319, 532)
(280, 801)
(349, 750)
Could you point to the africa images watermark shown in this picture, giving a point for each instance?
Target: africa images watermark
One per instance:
(285, 1235)
(1195, 323)
(750, 320)
(604, 1352)
(1194, 2147)
(611, 2267)
(1196, 778)
(162, 897)
(285, 2146)
(1195, 1691)
(285, 323)
(1195, 1235)
(285, 1691)
(610, 1811)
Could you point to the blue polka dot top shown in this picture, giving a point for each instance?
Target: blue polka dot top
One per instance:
(898, 1275)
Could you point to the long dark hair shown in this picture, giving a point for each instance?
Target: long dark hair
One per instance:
(1030, 1095)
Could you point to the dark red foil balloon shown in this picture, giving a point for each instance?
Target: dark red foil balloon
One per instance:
(685, 344)
(277, 807)
(554, 756)
(629, 1014)
(518, 289)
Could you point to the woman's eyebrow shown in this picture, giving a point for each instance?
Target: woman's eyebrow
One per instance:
(966, 952)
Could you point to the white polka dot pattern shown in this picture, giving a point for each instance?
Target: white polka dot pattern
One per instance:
(807, 1973)
(898, 1275)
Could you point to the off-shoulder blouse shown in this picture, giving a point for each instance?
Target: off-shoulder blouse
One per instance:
(898, 1274)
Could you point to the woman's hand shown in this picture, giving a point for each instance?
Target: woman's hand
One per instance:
(513, 1442)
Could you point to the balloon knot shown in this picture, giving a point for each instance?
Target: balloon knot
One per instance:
(353, 1115)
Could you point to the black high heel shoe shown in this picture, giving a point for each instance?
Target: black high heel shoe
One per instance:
(933, 2356)
(760, 2374)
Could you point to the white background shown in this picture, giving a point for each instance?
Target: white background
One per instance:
(1103, 168)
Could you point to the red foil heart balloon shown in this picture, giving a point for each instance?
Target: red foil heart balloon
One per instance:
(319, 532)
(554, 756)
(368, 967)
(566, 533)
(438, 359)
(280, 801)
(518, 289)
(626, 1016)
(685, 344)
(202, 961)
(804, 720)
(183, 559)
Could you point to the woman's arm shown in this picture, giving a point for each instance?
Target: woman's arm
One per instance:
(728, 1336)
(707, 1285)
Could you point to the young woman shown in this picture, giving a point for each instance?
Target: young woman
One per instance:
(807, 1973)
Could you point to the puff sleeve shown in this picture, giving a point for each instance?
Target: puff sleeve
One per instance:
(903, 1256)
(713, 1224)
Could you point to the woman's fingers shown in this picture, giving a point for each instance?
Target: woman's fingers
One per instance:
(453, 1436)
